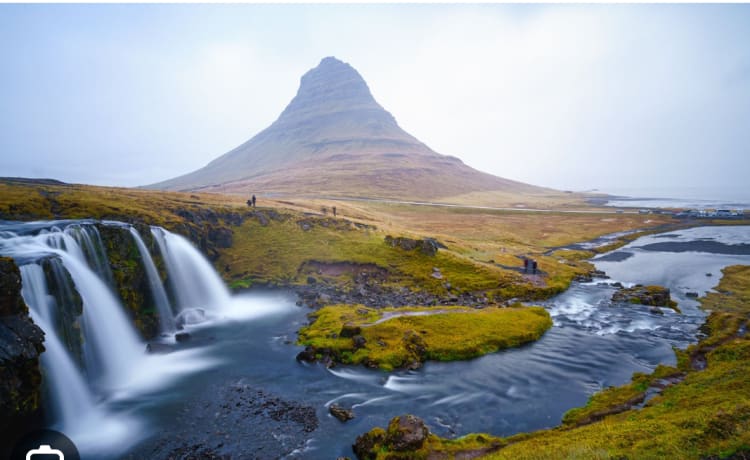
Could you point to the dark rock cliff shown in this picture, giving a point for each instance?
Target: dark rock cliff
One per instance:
(21, 343)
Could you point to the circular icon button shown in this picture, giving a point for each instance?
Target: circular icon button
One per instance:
(45, 445)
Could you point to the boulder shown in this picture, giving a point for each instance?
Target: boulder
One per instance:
(359, 342)
(182, 337)
(406, 433)
(367, 445)
(340, 413)
(349, 330)
(428, 246)
(653, 296)
(307, 355)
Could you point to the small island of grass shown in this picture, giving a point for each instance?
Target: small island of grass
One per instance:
(393, 338)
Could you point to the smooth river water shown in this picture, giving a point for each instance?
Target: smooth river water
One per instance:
(592, 345)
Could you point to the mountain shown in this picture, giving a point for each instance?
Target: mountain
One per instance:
(334, 139)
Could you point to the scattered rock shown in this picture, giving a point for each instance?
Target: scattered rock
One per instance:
(307, 355)
(406, 433)
(340, 413)
(692, 295)
(655, 296)
(349, 330)
(405, 436)
(359, 342)
(709, 274)
(428, 246)
(182, 337)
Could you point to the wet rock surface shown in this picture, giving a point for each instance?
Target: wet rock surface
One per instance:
(233, 420)
(655, 296)
(341, 413)
(21, 343)
(405, 434)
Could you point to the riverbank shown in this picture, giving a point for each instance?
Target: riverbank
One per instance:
(698, 409)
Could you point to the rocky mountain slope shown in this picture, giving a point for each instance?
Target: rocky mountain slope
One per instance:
(334, 138)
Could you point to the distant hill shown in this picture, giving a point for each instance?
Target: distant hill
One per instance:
(334, 139)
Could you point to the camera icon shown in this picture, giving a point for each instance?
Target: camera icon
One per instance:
(45, 451)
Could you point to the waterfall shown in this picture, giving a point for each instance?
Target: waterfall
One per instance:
(158, 293)
(93, 356)
(73, 398)
(89, 239)
(193, 280)
(112, 346)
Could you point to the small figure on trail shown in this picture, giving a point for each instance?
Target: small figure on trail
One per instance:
(253, 200)
(334, 211)
(533, 266)
(526, 264)
(250, 203)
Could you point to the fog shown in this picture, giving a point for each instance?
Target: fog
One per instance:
(635, 99)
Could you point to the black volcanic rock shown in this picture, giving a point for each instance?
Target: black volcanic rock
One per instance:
(334, 138)
(21, 344)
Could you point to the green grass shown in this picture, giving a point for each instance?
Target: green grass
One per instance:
(446, 334)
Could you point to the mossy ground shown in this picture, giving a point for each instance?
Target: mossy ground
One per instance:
(443, 334)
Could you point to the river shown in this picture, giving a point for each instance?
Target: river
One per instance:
(190, 397)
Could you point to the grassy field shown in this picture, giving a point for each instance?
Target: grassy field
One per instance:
(446, 334)
(483, 248)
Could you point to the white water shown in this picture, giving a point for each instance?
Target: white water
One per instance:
(166, 318)
(86, 403)
(90, 241)
(193, 280)
(112, 347)
(72, 402)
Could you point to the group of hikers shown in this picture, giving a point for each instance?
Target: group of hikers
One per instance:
(251, 203)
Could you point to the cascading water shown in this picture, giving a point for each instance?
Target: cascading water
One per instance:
(88, 237)
(112, 347)
(193, 280)
(71, 400)
(94, 359)
(166, 317)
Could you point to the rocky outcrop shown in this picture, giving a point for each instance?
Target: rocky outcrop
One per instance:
(21, 343)
(427, 246)
(405, 437)
(130, 278)
(654, 296)
(344, 415)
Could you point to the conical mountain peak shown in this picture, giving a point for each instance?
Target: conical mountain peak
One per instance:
(334, 138)
(331, 87)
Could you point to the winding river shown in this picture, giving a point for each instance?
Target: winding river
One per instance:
(180, 398)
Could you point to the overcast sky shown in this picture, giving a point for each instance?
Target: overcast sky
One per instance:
(612, 97)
